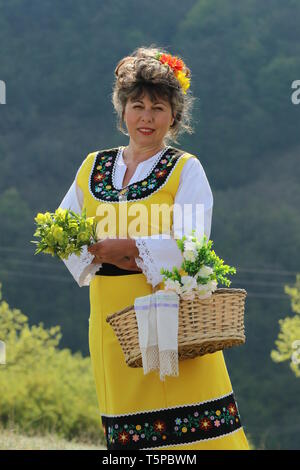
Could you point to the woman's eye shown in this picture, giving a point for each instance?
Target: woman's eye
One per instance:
(138, 106)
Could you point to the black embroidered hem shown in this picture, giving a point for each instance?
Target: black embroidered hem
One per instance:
(171, 426)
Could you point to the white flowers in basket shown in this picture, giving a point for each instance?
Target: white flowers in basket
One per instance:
(200, 271)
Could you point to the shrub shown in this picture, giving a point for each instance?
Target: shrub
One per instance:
(43, 388)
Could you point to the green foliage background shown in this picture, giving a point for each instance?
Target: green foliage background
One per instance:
(44, 388)
(57, 61)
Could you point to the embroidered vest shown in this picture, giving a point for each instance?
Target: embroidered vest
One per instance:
(125, 207)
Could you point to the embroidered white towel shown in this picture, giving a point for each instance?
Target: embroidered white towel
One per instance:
(157, 318)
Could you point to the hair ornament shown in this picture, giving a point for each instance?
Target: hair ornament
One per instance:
(178, 67)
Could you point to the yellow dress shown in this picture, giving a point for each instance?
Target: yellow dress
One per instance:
(197, 409)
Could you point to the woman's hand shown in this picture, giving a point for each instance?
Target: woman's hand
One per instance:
(118, 251)
(126, 262)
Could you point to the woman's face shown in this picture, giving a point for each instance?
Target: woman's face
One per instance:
(143, 113)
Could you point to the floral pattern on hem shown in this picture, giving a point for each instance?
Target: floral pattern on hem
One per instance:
(180, 425)
(101, 178)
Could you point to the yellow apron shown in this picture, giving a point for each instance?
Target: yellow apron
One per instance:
(197, 409)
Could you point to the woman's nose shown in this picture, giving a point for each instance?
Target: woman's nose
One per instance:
(147, 115)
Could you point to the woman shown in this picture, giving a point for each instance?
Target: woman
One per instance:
(197, 409)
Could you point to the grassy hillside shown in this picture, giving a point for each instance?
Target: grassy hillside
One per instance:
(11, 439)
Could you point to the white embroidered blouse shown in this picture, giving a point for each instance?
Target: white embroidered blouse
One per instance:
(194, 189)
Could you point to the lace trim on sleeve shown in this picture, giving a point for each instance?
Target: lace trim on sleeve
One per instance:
(146, 263)
(81, 267)
(88, 270)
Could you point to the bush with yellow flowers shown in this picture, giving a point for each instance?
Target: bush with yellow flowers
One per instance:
(41, 392)
(64, 232)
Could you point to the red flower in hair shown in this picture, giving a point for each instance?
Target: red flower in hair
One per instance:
(172, 61)
(178, 67)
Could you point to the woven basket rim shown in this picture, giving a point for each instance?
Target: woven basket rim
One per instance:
(221, 290)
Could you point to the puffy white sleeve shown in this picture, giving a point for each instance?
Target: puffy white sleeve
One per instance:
(79, 266)
(193, 206)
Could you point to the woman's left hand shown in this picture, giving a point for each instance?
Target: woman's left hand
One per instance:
(128, 263)
(118, 251)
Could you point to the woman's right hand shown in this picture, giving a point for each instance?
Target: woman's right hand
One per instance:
(126, 262)
(119, 252)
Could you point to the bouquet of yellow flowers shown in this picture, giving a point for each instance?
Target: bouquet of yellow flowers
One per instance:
(64, 232)
(200, 271)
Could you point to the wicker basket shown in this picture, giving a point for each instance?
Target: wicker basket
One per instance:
(205, 326)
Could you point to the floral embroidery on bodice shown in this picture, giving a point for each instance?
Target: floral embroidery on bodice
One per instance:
(101, 181)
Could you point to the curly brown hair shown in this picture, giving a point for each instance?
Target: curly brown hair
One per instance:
(141, 73)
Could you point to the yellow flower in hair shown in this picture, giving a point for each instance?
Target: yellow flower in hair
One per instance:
(178, 67)
(183, 80)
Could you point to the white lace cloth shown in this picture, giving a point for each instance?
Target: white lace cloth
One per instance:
(157, 318)
(154, 253)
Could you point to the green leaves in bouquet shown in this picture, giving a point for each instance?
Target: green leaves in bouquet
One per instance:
(64, 232)
(204, 257)
(174, 274)
(221, 270)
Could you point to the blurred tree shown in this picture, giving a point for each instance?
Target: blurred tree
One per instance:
(288, 342)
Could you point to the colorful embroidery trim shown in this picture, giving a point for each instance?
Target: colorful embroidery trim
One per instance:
(180, 425)
(101, 182)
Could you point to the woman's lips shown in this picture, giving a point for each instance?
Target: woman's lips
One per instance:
(149, 132)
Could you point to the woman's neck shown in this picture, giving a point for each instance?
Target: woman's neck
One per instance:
(134, 155)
